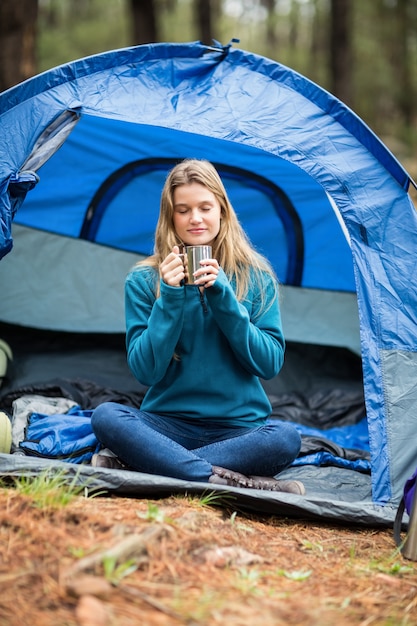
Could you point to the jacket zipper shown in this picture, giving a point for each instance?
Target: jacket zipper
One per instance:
(203, 301)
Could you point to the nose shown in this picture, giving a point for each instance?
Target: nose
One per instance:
(195, 216)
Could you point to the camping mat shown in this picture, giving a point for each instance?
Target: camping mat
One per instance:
(324, 499)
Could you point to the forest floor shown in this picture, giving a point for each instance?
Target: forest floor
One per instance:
(114, 561)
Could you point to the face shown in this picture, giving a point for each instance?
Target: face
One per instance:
(196, 214)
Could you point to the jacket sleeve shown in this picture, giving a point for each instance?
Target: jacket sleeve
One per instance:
(153, 325)
(255, 337)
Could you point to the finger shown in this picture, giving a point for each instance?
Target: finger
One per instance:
(172, 269)
(205, 276)
(212, 262)
(208, 266)
(172, 261)
(174, 278)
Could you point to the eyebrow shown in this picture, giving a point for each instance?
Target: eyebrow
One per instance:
(184, 204)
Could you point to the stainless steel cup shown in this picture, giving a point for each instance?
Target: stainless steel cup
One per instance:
(192, 257)
(409, 549)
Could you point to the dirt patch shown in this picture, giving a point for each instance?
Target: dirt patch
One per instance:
(112, 561)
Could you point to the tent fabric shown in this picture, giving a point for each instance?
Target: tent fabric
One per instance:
(84, 151)
(324, 505)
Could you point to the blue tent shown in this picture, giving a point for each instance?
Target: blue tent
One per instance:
(85, 148)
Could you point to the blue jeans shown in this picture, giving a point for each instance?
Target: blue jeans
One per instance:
(168, 446)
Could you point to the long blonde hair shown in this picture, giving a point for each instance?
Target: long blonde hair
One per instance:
(231, 247)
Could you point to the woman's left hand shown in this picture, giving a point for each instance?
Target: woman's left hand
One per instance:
(207, 274)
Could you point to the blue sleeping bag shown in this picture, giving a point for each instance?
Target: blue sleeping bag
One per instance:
(64, 437)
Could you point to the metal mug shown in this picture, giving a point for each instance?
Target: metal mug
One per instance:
(409, 549)
(192, 257)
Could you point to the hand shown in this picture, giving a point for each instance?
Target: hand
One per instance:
(206, 276)
(172, 268)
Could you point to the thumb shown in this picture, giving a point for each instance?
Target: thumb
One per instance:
(175, 250)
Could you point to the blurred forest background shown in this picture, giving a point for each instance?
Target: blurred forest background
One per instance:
(363, 51)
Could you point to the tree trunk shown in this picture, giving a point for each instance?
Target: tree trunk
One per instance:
(341, 50)
(18, 20)
(144, 24)
(271, 23)
(207, 12)
(319, 44)
(294, 25)
(403, 56)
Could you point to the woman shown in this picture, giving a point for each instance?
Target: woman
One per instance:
(201, 350)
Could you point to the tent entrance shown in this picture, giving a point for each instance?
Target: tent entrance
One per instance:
(144, 179)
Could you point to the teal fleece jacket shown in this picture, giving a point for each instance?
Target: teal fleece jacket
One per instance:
(222, 347)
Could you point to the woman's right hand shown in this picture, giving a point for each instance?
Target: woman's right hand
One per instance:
(172, 268)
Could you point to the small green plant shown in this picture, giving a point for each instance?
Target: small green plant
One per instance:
(49, 489)
(391, 565)
(78, 553)
(239, 525)
(352, 552)
(248, 581)
(154, 514)
(114, 572)
(298, 575)
(312, 546)
(209, 498)
(395, 569)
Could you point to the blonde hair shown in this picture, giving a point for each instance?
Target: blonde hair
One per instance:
(231, 247)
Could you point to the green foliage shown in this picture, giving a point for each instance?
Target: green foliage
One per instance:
(49, 489)
(294, 32)
(394, 565)
(155, 514)
(248, 580)
(210, 498)
(313, 546)
(70, 30)
(297, 575)
(114, 572)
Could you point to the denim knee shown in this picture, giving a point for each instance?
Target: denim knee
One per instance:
(293, 439)
(101, 415)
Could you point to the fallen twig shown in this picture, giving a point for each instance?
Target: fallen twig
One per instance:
(128, 548)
